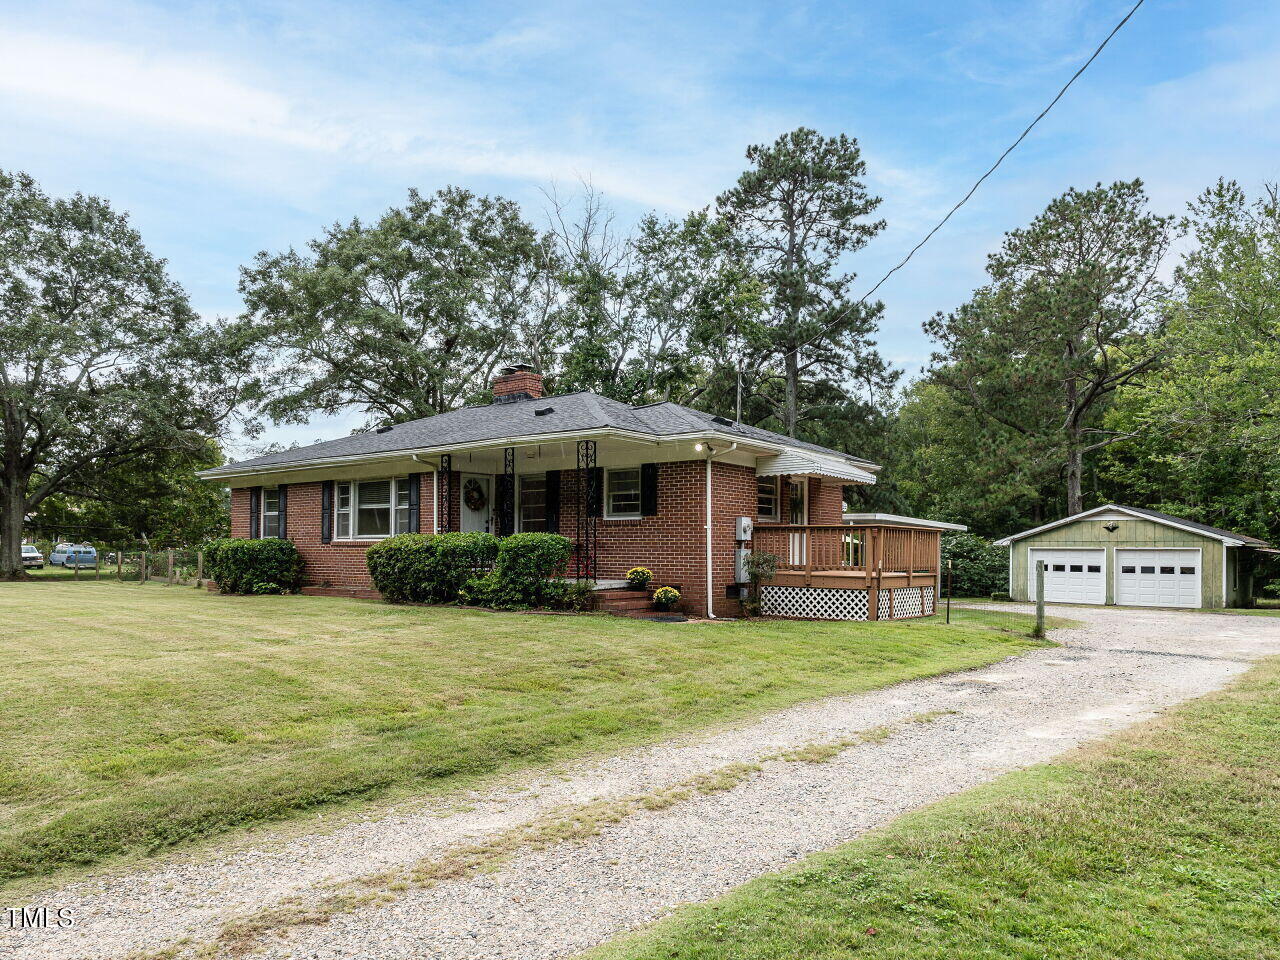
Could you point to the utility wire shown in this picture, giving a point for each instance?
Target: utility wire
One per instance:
(974, 189)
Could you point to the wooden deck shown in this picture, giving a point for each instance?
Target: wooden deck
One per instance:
(840, 556)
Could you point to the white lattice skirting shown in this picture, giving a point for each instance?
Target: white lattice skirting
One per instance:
(813, 603)
(830, 603)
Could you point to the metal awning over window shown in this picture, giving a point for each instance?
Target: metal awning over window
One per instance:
(798, 463)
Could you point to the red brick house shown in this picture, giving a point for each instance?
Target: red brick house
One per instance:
(658, 485)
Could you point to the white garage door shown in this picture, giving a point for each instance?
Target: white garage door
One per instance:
(1070, 576)
(1158, 578)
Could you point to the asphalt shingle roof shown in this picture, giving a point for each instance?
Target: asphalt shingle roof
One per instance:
(583, 410)
(1204, 527)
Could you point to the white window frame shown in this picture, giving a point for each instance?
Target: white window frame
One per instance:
(263, 513)
(775, 482)
(399, 489)
(521, 480)
(609, 512)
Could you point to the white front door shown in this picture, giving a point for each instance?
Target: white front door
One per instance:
(1070, 576)
(477, 503)
(798, 514)
(1158, 578)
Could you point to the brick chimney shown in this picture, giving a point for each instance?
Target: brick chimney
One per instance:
(517, 382)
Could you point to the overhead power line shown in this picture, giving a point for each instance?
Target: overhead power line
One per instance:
(977, 183)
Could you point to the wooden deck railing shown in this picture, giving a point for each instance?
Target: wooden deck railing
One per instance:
(835, 548)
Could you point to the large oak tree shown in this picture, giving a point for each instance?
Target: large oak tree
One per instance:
(406, 317)
(103, 363)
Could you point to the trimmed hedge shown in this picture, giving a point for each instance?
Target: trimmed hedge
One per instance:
(979, 567)
(528, 569)
(430, 568)
(520, 571)
(246, 566)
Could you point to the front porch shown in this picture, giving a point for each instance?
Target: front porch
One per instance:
(851, 572)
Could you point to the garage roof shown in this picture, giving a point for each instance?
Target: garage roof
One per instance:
(1226, 536)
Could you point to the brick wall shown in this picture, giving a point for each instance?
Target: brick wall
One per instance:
(826, 501)
(672, 543)
(338, 563)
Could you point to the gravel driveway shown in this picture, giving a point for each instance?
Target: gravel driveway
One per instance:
(1118, 668)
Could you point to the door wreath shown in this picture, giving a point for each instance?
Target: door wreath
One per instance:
(473, 495)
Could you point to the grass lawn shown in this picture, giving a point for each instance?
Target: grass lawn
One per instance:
(139, 717)
(1266, 607)
(1160, 843)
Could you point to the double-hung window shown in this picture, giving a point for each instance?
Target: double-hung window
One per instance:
(622, 494)
(767, 498)
(370, 509)
(533, 503)
(271, 512)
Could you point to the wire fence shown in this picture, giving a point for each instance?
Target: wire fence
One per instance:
(168, 565)
(1015, 616)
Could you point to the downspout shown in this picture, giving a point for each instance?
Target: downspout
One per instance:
(711, 454)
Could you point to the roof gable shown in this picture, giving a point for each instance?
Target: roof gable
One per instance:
(1204, 530)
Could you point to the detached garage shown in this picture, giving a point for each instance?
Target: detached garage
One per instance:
(1134, 557)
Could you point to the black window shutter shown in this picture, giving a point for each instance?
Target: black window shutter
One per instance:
(326, 511)
(553, 501)
(255, 513)
(283, 490)
(505, 508)
(595, 492)
(649, 489)
(415, 490)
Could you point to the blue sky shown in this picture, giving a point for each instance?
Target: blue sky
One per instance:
(231, 128)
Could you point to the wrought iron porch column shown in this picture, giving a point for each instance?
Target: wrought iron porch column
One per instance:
(588, 497)
(507, 498)
(443, 509)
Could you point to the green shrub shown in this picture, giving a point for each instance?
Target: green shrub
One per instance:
(527, 571)
(430, 568)
(254, 566)
(979, 568)
(761, 566)
(574, 595)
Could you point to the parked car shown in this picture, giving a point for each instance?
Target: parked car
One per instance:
(80, 555)
(59, 553)
(32, 557)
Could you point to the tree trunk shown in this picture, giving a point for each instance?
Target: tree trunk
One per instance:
(1075, 475)
(790, 412)
(14, 512)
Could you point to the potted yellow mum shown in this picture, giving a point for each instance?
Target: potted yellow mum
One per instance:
(664, 598)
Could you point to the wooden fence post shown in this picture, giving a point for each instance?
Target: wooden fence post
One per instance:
(97, 566)
(199, 568)
(1038, 633)
(120, 564)
(170, 583)
(142, 570)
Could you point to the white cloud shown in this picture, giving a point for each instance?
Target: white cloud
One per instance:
(157, 89)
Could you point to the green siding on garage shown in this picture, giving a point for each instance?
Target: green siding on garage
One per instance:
(1131, 532)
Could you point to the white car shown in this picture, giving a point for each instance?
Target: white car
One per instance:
(31, 557)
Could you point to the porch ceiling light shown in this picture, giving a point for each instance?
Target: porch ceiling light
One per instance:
(699, 446)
